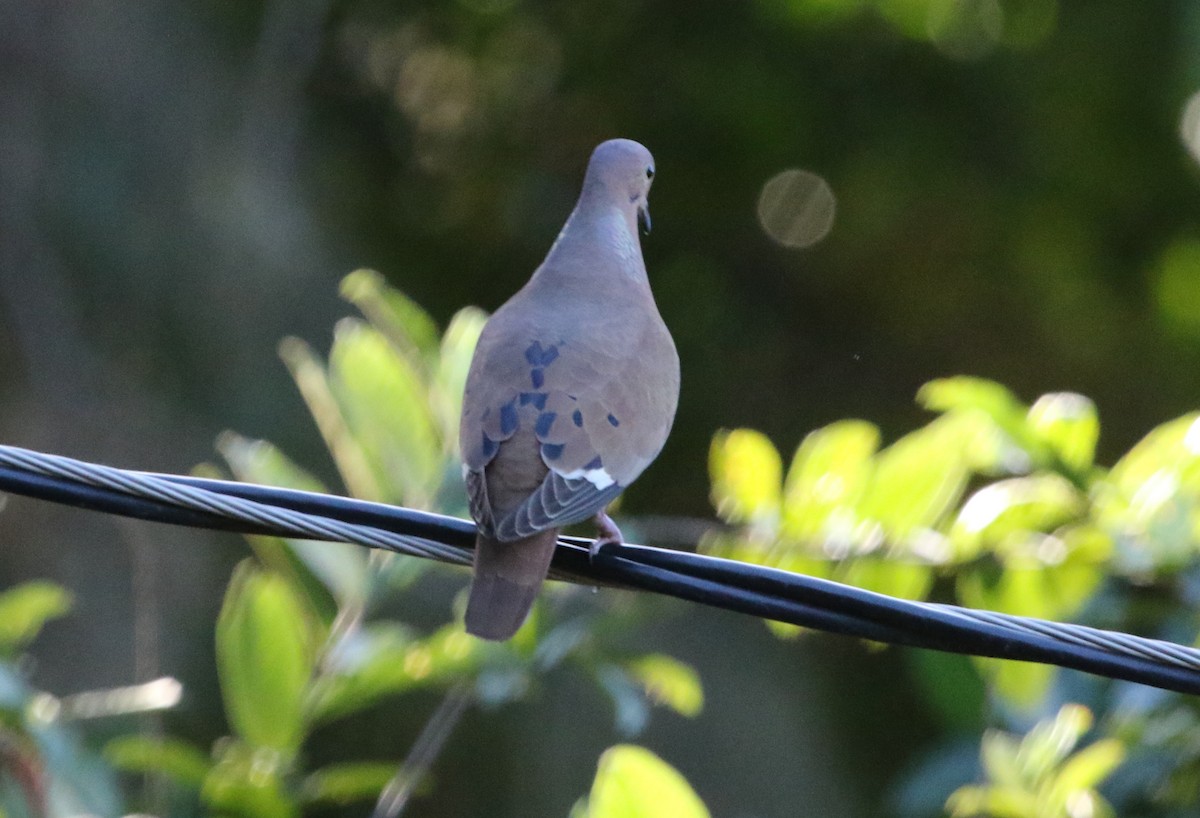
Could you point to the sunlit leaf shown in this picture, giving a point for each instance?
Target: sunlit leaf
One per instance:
(264, 659)
(964, 392)
(746, 473)
(998, 752)
(632, 782)
(993, 801)
(1022, 685)
(829, 471)
(348, 783)
(1037, 503)
(385, 402)
(180, 762)
(1087, 769)
(349, 454)
(1069, 424)
(248, 782)
(450, 377)
(1051, 740)
(26, 608)
(896, 578)
(408, 327)
(1169, 447)
(784, 630)
(669, 681)
(916, 480)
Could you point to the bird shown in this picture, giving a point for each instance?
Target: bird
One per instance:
(571, 392)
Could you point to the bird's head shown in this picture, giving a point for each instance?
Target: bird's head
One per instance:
(624, 169)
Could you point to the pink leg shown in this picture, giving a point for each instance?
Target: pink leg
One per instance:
(608, 531)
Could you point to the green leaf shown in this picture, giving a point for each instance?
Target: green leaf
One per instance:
(248, 782)
(632, 782)
(348, 454)
(1087, 769)
(1051, 740)
(407, 327)
(999, 754)
(178, 761)
(386, 405)
(264, 659)
(995, 802)
(1172, 448)
(341, 567)
(967, 398)
(903, 579)
(382, 660)
(746, 473)
(669, 681)
(260, 461)
(1069, 425)
(1046, 576)
(1022, 685)
(1019, 505)
(829, 472)
(450, 377)
(916, 480)
(25, 609)
(347, 783)
(966, 393)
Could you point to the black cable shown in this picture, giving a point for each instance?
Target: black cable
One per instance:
(736, 586)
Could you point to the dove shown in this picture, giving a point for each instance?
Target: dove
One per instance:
(570, 395)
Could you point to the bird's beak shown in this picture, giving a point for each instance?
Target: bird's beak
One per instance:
(643, 215)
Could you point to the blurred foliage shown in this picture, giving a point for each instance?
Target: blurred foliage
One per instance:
(1042, 775)
(1002, 499)
(632, 782)
(300, 640)
(46, 770)
(1003, 507)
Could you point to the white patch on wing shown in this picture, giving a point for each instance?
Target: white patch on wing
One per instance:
(597, 477)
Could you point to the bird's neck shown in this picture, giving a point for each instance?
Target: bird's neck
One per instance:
(598, 234)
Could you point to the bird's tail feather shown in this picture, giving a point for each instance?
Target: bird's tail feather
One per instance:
(507, 578)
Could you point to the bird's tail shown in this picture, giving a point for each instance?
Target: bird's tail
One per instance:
(507, 578)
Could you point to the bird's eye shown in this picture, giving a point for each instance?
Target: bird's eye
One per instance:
(649, 173)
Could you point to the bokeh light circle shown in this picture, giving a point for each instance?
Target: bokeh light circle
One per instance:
(796, 208)
(1189, 125)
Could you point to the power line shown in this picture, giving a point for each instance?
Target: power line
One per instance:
(746, 588)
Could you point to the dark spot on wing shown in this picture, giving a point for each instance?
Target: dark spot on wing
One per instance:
(537, 356)
(544, 422)
(537, 377)
(596, 463)
(613, 419)
(508, 418)
(490, 447)
(577, 418)
(552, 451)
(538, 399)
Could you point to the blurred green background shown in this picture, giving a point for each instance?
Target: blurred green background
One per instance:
(1005, 188)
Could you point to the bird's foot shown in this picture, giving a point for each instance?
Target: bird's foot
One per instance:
(609, 534)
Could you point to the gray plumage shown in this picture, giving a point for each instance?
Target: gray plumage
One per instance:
(571, 393)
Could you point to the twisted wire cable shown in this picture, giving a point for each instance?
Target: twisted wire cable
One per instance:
(737, 586)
